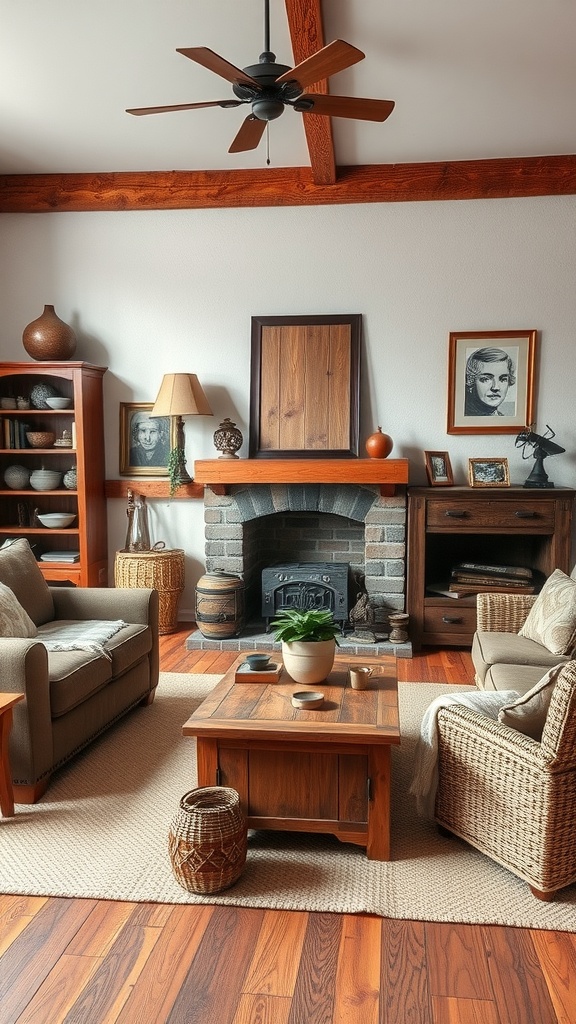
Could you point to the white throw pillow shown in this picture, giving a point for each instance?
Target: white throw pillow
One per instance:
(551, 620)
(14, 620)
(528, 713)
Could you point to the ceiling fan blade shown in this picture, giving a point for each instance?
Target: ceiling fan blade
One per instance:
(251, 131)
(208, 59)
(337, 56)
(184, 106)
(344, 106)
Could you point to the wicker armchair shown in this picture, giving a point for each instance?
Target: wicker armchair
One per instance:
(511, 797)
(502, 613)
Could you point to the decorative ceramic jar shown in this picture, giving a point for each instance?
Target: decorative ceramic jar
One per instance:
(48, 337)
(379, 445)
(45, 479)
(39, 394)
(228, 439)
(71, 479)
(17, 478)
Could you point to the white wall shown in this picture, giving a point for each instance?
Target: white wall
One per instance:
(155, 292)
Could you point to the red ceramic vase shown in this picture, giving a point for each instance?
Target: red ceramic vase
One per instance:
(379, 445)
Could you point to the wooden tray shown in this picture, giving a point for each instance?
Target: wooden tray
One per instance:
(245, 674)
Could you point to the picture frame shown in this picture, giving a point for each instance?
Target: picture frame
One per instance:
(488, 473)
(494, 395)
(142, 453)
(305, 386)
(439, 469)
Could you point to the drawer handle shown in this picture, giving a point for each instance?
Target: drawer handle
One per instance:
(454, 513)
(450, 619)
(526, 515)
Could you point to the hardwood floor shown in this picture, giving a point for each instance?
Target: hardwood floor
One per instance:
(98, 962)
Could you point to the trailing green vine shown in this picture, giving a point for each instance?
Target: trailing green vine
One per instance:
(175, 460)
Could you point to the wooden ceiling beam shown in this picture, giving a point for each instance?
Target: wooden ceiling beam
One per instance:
(307, 36)
(288, 186)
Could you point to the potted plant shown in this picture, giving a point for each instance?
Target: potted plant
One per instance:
(308, 642)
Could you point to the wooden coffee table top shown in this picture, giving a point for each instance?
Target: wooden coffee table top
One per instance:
(265, 710)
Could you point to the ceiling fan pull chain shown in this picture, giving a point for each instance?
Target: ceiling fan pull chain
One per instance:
(268, 143)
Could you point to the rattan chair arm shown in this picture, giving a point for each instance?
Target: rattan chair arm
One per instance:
(475, 733)
(502, 613)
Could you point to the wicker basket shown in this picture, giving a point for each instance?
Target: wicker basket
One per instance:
(207, 839)
(159, 570)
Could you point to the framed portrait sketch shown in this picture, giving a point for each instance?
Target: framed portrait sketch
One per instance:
(488, 473)
(305, 386)
(490, 381)
(438, 469)
(145, 443)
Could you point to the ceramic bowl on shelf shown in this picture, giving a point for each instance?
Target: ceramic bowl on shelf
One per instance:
(45, 479)
(40, 438)
(56, 520)
(59, 403)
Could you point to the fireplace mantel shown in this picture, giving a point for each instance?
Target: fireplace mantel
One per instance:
(221, 473)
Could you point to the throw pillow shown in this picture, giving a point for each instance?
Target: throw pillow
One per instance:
(551, 620)
(20, 571)
(14, 621)
(528, 713)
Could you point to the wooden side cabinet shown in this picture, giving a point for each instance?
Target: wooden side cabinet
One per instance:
(83, 421)
(511, 526)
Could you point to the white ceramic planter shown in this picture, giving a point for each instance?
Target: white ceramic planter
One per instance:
(307, 661)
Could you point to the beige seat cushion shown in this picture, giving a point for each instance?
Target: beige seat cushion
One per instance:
(14, 619)
(528, 713)
(493, 648)
(551, 620)
(75, 676)
(19, 570)
(512, 677)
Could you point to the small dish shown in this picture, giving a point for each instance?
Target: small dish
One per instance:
(307, 700)
(56, 520)
(258, 662)
(58, 403)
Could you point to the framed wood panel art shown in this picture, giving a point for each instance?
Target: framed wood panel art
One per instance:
(305, 386)
(490, 381)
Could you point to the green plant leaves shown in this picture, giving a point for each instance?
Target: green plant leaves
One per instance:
(312, 625)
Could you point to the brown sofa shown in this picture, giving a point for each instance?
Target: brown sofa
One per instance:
(71, 696)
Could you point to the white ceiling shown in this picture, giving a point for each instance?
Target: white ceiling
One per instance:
(494, 78)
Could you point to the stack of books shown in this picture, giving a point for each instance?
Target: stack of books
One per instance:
(477, 578)
(60, 556)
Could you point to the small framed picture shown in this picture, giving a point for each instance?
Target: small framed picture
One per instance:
(438, 469)
(490, 381)
(145, 442)
(488, 473)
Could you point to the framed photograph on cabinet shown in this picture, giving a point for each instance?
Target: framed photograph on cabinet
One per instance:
(438, 469)
(145, 442)
(488, 473)
(305, 386)
(490, 381)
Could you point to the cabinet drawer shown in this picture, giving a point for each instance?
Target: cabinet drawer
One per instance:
(445, 618)
(529, 516)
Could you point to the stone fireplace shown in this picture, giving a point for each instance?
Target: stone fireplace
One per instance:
(251, 526)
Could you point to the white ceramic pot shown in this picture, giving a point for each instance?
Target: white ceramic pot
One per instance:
(308, 661)
(45, 479)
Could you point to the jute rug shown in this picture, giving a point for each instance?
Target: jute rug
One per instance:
(101, 832)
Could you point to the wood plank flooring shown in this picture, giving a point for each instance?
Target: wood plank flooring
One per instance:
(66, 961)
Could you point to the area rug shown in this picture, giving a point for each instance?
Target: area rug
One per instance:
(101, 832)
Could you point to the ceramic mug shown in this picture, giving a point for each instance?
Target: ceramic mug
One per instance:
(360, 676)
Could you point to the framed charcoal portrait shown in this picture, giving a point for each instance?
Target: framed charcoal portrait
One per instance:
(490, 381)
(145, 442)
(488, 473)
(438, 469)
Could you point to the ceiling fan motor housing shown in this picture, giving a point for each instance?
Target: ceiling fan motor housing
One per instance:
(267, 101)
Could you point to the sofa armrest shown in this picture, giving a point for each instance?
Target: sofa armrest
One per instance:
(133, 604)
(502, 613)
(25, 670)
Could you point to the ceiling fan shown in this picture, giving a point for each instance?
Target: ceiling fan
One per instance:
(270, 87)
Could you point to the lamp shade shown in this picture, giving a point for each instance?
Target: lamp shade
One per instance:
(181, 394)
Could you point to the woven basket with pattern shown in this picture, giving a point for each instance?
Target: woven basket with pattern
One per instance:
(207, 839)
(159, 570)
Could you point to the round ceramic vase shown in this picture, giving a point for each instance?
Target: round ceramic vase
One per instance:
(48, 337)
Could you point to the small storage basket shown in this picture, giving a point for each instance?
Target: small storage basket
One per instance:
(207, 839)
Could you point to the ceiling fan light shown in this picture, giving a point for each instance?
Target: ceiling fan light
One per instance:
(267, 109)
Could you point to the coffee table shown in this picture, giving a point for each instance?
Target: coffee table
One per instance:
(310, 771)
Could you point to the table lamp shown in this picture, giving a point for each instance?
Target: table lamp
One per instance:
(180, 395)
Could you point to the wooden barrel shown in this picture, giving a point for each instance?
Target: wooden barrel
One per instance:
(207, 839)
(220, 605)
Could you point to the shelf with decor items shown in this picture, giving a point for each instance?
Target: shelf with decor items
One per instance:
(507, 526)
(74, 441)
